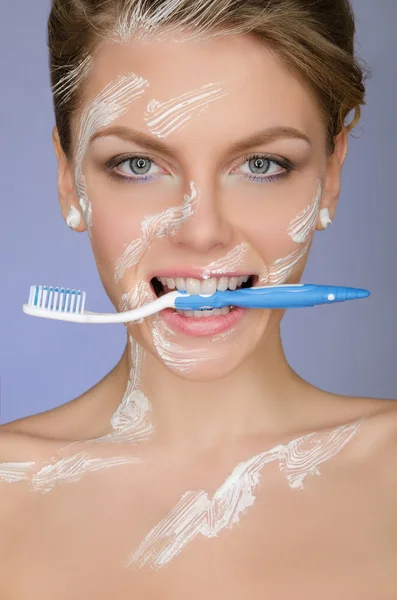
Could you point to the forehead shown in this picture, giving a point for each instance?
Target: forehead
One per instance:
(258, 84)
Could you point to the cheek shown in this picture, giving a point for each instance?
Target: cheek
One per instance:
(117, 212)
(119, 209)
(270, 233)
(113, 230)
(114, 226)
(266, 216)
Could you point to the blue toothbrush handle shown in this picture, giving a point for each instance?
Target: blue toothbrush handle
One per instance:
(285, 296)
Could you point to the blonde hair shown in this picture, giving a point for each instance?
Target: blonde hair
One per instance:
(314, 38)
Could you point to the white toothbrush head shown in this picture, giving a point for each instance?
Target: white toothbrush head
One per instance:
(57, 299)
(63, 304)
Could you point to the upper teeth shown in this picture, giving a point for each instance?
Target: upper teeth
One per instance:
(208, 286)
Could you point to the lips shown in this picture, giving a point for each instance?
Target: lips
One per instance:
(203, 326)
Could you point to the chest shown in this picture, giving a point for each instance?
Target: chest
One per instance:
(107, 537)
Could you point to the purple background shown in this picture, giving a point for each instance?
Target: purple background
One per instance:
(349, 348)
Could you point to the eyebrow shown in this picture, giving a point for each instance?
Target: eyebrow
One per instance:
(263, 136)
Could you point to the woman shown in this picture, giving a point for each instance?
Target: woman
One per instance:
(188, 470)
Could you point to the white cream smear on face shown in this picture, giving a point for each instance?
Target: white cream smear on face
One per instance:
(304, 224)
(174, 355)
(165, 223)
(300, 230)
(110, 104)
(228, 263)
(198, 514)
(140, 294)
(163, 118)
(171, 353)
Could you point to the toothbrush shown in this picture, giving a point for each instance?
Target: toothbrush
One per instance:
(69, 305)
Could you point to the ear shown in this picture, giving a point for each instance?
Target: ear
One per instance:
(66, 187)
(332, 181)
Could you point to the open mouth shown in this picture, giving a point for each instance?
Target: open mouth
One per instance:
(162, 285)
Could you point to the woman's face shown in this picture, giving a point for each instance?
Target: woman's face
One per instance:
(201, 160)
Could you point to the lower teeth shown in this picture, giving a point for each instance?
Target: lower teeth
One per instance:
(205, 313)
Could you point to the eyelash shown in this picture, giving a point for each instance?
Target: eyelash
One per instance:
(287, 165)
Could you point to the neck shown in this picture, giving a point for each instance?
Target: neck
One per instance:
(263, 396)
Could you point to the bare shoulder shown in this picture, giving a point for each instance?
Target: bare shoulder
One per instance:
(25, 445)
(380, 415)
(377, 413)
(22, 447)
(51, 424)
(19, 455)
(377, 440)
(23, 452)
(376, 418)
(382, 424)
(69, 422)
(85, 417)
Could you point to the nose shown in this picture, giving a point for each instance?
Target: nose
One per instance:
(207, 226)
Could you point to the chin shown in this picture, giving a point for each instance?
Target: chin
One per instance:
(204, 370)
(207, 358)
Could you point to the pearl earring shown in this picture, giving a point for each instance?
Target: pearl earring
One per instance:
(74, 218)
(325, 218)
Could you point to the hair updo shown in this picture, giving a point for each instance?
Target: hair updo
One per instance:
(314, 38)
